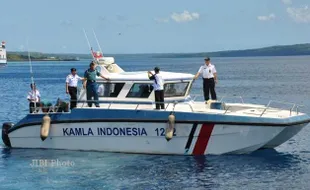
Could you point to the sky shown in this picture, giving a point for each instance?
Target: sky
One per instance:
(158, 26)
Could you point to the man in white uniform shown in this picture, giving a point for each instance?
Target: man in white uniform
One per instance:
(71, 86)
(34, 98)
(158, 88)
(209, 76)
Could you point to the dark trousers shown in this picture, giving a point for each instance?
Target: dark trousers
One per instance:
(73, 95)
(208, 86)
(31, 106)
(159, 99)
(92, 91)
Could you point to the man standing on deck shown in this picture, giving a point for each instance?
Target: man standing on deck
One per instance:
(71, 86)
(34, 98)
(158, 88)
(91, 84)
(209, 76)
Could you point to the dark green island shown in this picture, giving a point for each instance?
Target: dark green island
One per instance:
(36, 56)
(282, 50)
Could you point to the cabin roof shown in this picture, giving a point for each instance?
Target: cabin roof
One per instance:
(142, 75)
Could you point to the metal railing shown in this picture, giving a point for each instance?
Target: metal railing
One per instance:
(294, 107)
(137, 103)
(52, 109)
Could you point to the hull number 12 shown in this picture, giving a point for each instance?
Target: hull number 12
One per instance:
(161, 131)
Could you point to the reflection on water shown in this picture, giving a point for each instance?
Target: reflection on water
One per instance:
(113, 170)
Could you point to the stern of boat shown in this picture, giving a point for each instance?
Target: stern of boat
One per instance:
(5, 133)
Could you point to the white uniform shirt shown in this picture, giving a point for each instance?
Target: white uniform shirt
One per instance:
(207, 71)
(34, 95)
(72, 80)
(100, 90)
(158, 82)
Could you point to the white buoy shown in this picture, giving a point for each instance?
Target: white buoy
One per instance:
(45, 127)
(170, 127)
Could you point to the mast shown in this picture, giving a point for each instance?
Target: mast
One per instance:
(31, 75)
(91, 49)
(98, 42)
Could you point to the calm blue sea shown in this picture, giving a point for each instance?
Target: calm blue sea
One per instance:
(257, 79)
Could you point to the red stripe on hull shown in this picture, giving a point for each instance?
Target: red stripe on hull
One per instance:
(203, 139)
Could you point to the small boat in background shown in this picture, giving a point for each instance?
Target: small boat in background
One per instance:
(3, 59)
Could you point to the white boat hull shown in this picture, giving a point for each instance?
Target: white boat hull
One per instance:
(284, 136)
(3, 61)
(148, 138)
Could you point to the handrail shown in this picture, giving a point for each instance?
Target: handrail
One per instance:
(294, 106)
(51, 109)
(175, 103)
(242, 101)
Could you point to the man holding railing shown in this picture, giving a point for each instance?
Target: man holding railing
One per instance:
(71, 86)
(91, 84)
(158, 87)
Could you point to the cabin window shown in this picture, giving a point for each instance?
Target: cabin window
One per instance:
(109, 89)
(141, 90)
(175, 89)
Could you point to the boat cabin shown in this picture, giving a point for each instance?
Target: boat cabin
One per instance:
(136, 86)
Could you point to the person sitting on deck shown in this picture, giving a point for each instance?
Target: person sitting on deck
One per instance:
(62, 106)
(34, 98)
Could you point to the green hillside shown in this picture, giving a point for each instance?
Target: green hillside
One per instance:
(284, 50)
(37, 56)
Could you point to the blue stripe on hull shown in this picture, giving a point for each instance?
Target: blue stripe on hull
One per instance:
(93, 115)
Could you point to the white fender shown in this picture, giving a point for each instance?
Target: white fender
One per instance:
(45, 127)
(170, 127)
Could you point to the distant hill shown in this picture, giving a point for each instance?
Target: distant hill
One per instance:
(38, 56)
(283, 50)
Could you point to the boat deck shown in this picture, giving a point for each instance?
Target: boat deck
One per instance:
(239, 109)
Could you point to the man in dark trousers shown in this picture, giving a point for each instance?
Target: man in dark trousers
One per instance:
(91, 84)
(71, 86)
(209, 76)
(158, 87)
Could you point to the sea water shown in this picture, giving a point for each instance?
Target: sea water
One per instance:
(256, 79)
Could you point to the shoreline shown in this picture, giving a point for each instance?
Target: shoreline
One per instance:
(47, 60)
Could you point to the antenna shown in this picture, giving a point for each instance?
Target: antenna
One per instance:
(89, 44)
(97, 42)
(31, 74)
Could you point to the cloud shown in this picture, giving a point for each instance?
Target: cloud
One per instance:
(299, 15)
(21, 47)
(161, 20)
(133, 25)
(66, 22)
(121, 18)
(287, 2)
(102, 18)
(186, 16)
(267, 18)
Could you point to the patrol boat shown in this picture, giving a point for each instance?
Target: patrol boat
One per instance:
(3, 60)
(127, 122)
